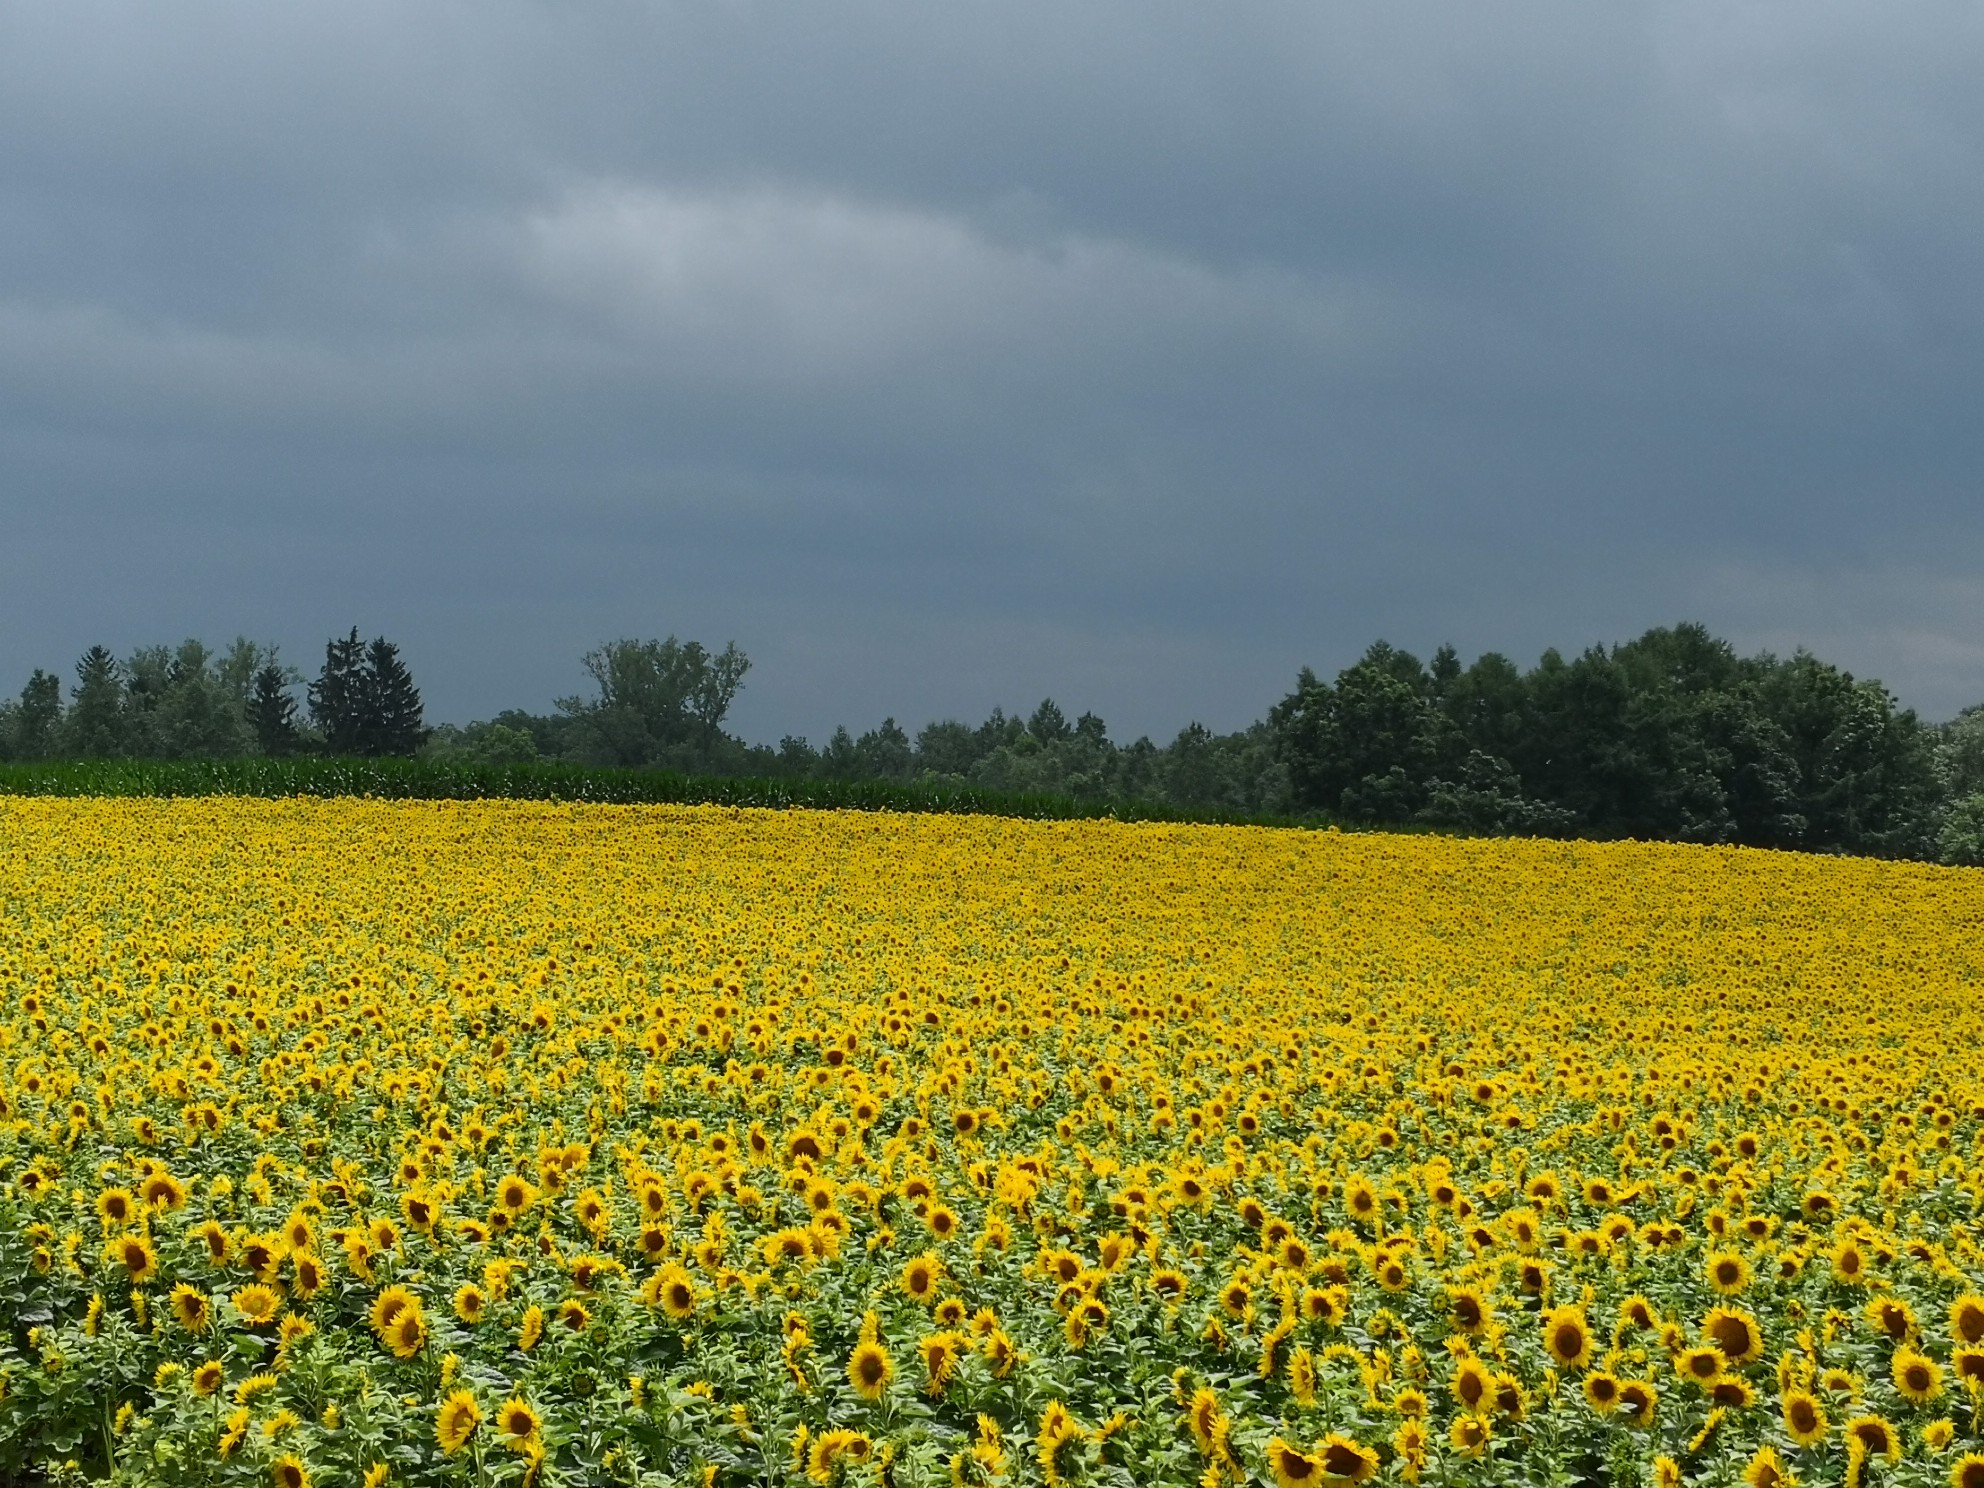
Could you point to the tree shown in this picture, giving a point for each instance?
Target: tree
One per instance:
(1049, 724)
(390, 711)
(272, 711)
(199, 716)
(884, 753)
(947, 747)
(94, 727)
(1960, 754)
(716, 681)
(841, 759)
(337, 698)
(36, 717)
(1366, 746)
(659, 702)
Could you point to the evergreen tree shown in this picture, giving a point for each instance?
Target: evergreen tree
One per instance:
(391, 703)
(338, 703)
(272, 711)
(37, 717)
(94, 727)
(1049, 724)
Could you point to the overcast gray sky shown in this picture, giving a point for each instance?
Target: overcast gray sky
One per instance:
(945, 355)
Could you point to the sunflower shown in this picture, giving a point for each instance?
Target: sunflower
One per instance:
(921, 1276)
(1057, 1428)
(1637, 1312)
(1728, 1273)
(136, 1255)
(1969, 1365)
(1766, 1470)
(389, 1304)
(422, 1211)
(1473, 1386)
(1875, 1437)
(531, 1329)
(298, 1234)
(289, 1472)
(1638, 1402)
(789, 1244)
(257, 1304)
(1849, 1262)
(1968, 1471)
(254, 1387)
(1967, 1318)
(1733, 1392)
(869, 1369)
(1345, 1461)
(215, 1241)
(1001, 1353)
(470, 1303)
(1701, 1366)
(1360, 1199)
(191, 1307)
(406, 1334)
(115, 1207)
(572, 1315)
(1470, 1435)
(1326, 1305)
(1567, 1337)
(208, 1377)
(234, 1433)
(1302, 1377)
(517, 1422)
(939, 1353)
(1917, 1376)
(163, 1191)
(1203, 1415)
(1736, 1333)
(1892, 1316)
(262, 1254)
(456, 1420)
(1469, 1310)
(1601, 1391)
(1804, 1418)
(309, 1273)
(1291, 1467)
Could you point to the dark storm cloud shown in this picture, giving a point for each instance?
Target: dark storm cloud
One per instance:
(949, 355)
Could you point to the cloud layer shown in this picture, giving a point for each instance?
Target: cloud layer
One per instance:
(948, 356)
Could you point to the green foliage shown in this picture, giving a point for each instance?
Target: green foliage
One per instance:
(1669, 736)
(272, 711)
(364, 701)
(1961, 840)
(457, 780)
(659, 702)
(31, 726)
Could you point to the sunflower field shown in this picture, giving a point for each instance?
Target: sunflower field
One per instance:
(350, 1142)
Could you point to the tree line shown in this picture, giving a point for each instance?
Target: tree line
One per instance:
(1673, 735)
(192, 702)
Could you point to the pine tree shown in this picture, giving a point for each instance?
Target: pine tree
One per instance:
(94, 728)
(392, 713)
(338, 698)
(272, 711)
(37, 717)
